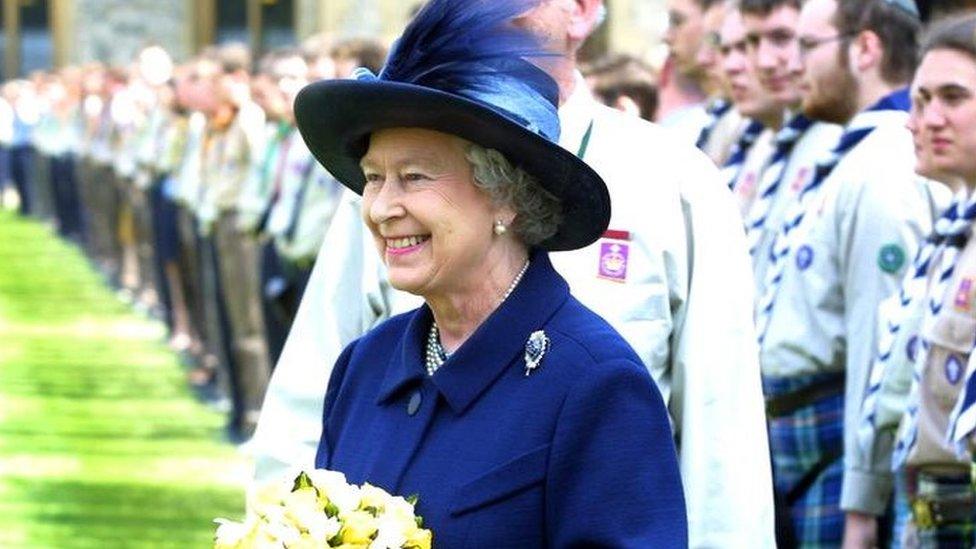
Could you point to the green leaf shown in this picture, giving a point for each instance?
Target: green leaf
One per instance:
(412, 499)
(302, 481)
(420, 521)
(331, 510)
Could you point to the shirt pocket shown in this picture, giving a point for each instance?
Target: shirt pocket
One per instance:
(950, 336)
(502, 482)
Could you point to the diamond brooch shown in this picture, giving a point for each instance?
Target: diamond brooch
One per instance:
(535, 349)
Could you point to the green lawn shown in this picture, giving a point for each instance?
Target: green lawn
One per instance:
(101, 444)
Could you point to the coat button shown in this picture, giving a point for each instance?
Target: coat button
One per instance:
(414, 404)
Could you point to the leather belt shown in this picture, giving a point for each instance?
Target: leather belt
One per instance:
(788, 403)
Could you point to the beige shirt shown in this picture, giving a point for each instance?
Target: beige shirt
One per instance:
(950, 336)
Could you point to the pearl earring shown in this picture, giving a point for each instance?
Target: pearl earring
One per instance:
(500, 228)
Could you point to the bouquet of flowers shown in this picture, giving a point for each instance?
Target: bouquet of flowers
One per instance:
(320, 509)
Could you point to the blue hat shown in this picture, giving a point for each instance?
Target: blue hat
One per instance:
(460, 68)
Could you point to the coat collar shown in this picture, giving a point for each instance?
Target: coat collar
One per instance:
(492, 348)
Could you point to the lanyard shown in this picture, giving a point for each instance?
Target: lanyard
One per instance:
(585, 143)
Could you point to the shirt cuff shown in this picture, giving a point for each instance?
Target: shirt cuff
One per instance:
(866, 491)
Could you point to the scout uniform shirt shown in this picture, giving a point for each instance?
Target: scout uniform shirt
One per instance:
(746, 181)
(949, 337)
(228, 164)
(294, 168)
(811, 147)
(848, 253)
(722, 135)
(315, 204)
(680, 222)
(257, 196)
(190, 171)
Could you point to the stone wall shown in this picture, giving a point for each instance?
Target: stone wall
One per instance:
(113, 31)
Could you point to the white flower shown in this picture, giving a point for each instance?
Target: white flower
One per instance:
(390, 534)
(229, 534)
(333, 486)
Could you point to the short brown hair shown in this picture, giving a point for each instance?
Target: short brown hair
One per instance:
(765, 7)
(366, 52)
(956, 34)
(620, 75)
(896, 28)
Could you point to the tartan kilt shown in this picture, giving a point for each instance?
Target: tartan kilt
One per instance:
(798, 442)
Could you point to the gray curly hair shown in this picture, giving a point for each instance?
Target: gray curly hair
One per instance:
(538, 212)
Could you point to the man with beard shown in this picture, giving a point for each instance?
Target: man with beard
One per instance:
(844, 244)
(674, 252)
(799, 142)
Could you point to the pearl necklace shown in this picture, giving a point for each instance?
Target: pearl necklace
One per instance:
(435, 355)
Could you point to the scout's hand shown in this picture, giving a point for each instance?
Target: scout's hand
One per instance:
(860, 531)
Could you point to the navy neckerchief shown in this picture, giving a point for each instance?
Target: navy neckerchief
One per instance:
(716, 110)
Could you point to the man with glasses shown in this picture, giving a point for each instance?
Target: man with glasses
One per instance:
(846, 240)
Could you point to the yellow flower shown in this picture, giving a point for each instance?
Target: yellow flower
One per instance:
(419, 538)
(357, 527)
(372, 497)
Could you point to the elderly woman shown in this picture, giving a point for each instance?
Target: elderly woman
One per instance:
(519, 417)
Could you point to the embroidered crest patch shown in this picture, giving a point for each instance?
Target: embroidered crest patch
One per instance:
(963, 300)
(613, 261)
(804, 257)
(891, 258)
(953, 369)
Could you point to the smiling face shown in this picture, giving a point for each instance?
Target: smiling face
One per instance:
(775, 53)
(944, 113)
(431, 224)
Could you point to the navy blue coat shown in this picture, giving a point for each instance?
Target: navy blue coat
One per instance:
(577, 454)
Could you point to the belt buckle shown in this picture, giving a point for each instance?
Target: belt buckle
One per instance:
(922, 514)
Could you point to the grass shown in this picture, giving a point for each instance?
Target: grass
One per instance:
(101, 443)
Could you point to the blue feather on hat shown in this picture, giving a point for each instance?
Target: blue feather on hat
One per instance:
(471, 48)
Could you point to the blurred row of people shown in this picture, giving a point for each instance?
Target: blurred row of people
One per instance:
(190, 188)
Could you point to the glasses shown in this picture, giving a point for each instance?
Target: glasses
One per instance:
(808, 44)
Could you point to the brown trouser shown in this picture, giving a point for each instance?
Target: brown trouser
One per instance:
(241, 285)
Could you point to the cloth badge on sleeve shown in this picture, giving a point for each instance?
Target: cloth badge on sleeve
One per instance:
(804, 257)
(953, 369)
(891, 258)
(963, 301)
(613, 261)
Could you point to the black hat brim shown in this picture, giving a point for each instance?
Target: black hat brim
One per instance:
(336, 117)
